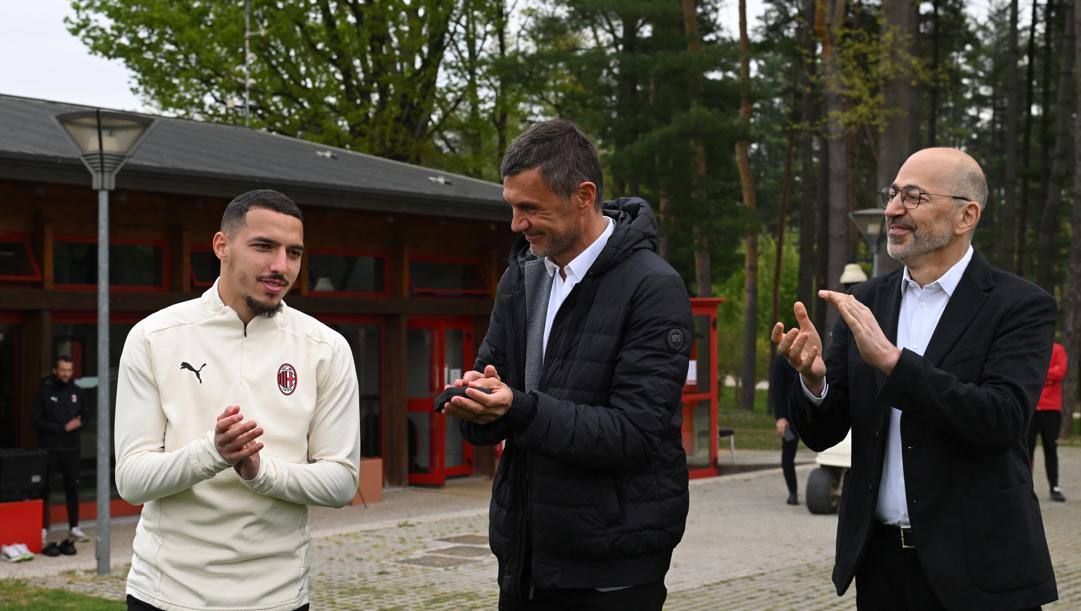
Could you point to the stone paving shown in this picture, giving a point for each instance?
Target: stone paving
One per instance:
(426, 549)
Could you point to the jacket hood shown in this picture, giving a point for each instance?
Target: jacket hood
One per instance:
(635, 229)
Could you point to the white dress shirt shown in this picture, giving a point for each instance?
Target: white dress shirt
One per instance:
(921, 309)
(575, 272)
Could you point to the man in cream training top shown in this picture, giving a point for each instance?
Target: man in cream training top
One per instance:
(234, 413)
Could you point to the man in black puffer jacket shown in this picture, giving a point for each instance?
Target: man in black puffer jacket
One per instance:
(59, 407)
(585, 358)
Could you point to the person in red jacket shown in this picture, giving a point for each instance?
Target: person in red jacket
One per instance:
(1048, 420)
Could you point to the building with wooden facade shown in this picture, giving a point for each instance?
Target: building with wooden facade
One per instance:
(402, 260)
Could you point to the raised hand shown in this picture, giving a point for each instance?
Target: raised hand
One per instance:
(875, 349)
(802, 346)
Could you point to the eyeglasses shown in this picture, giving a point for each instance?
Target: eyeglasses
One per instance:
(911, 197)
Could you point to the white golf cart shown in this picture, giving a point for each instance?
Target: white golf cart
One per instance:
(824, 484)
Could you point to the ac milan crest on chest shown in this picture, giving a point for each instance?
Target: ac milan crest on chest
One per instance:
(287, 379)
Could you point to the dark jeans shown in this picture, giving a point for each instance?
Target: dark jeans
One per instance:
(788, 463)
(134, 604)
(66, 463)
(646, 597)
(1046, 424)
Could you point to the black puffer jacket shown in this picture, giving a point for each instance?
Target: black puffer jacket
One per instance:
(592, 487)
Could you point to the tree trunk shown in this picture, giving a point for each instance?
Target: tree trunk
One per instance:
(897, 140)
(1007, 258)
(1072, 299)
(932, 118)
(1060, 162)
(703, 275)
(828, 23)
(1050, 30)
(805, 54)
(750, 202)
(1026, 141)
(823, 247)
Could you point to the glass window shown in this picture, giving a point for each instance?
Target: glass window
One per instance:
(364, 341)
(16, 260)
(204, 267)
(131, 265)
(345, 273)
(79, 340)
(443, 278)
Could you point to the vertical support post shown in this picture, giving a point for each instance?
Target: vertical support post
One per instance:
(104, 375)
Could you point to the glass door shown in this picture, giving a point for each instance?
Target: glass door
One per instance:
(10, 376)
(437, 352)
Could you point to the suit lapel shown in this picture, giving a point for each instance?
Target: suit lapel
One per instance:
(961, 310)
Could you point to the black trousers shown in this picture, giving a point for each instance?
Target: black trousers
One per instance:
(65, 463)
(134, 604)
(1046, 424)
(788, 463)
(646, 597)
(890, 578)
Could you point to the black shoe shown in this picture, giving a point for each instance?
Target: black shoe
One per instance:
(792, 499)
(1056, 495)
(67, 548)
(51, 550)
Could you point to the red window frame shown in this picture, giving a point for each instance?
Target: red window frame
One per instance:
(432, 292)
(195, 281)
(119, 288)
(25, 240)
(347, 252)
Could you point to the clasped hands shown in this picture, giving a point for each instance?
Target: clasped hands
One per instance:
(477, 406)
(802, 346)
(235, 440)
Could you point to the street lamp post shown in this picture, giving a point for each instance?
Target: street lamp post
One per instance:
(105, 140)
(870, 223)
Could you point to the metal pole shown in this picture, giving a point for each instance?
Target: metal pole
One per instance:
(104, 419)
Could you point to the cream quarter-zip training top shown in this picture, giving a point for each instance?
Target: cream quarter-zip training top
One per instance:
(208, 539)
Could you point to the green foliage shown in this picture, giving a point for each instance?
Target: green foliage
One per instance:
(353, 74)
(730, 313)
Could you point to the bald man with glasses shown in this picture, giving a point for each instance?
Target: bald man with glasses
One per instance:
(936, 369)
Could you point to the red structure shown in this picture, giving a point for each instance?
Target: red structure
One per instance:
(700, 391)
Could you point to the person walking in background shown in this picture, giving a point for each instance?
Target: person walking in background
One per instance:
(781, 377)
(59, 407)
(1048, 420)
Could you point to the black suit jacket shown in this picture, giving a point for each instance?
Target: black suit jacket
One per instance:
(965, 406)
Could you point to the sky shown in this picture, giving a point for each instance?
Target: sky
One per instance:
(40, 59)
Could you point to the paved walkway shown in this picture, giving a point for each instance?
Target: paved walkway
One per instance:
(427, 549)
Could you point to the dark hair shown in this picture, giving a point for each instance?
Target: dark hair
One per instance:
(259, 198)
(63, 358)
(562, 153)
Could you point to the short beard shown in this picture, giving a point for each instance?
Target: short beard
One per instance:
(921, 243)
(261, 309)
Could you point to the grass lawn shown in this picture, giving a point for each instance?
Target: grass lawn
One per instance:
(16, 594)
(755, 430)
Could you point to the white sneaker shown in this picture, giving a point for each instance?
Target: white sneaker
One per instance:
(24, 551)
(78, 534)
(9, 553)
